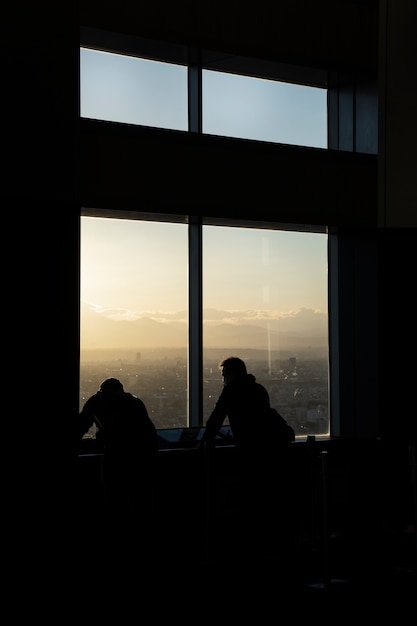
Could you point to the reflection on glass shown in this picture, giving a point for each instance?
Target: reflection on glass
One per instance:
(264, 110)
(119, 88)
(265, 300)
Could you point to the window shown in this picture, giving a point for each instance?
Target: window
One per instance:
(264, 110)
(133, 89)
(134, 312)
(165, 298)
(264, 298)
(120, 88)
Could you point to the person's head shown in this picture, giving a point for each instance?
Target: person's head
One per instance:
(232, 368)
(111, 384)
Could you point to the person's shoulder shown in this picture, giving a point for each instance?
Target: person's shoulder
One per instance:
(129, 396)
(126, 396)
(136, 404)
(253, 383)
(135, 399)
(90, 403)
(251, 380)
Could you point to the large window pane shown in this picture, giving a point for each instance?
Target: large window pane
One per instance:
(265, 299)
(134, 312)
(264, 110)
(119, 88)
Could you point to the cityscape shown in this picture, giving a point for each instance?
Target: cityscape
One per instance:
(298, 385)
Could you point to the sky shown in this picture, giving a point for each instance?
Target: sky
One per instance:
(140, 91)
(134, 269)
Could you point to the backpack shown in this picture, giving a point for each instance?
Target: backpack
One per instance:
(277, 429)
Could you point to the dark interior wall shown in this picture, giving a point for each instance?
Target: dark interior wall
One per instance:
(215, 176)
(335, 34)
(397, 334)
(397, 114)
(356, 350)
(39, 199)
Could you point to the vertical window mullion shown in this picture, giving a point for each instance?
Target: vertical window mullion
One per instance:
(195, 323)
(195, 307)
(195, 122)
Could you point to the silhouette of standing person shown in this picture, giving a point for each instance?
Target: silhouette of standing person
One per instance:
(245, 402)
(130, 445)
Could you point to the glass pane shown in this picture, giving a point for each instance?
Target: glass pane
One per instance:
(134, 312)
(264, 110)
(127, 89)
(265, 300)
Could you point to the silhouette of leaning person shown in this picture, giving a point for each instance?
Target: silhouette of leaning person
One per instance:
(130, 444)
(261, 465)
(242, 399)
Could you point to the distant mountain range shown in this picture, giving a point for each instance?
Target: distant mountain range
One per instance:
(302, 330)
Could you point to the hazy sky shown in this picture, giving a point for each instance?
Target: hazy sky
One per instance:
(141, 268)
(134, 268)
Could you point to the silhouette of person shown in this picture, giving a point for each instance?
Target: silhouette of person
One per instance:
(241, 400)
(130, 445)
(260, 464)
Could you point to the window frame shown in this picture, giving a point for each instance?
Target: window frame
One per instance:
(195, 225)
(196, 60)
